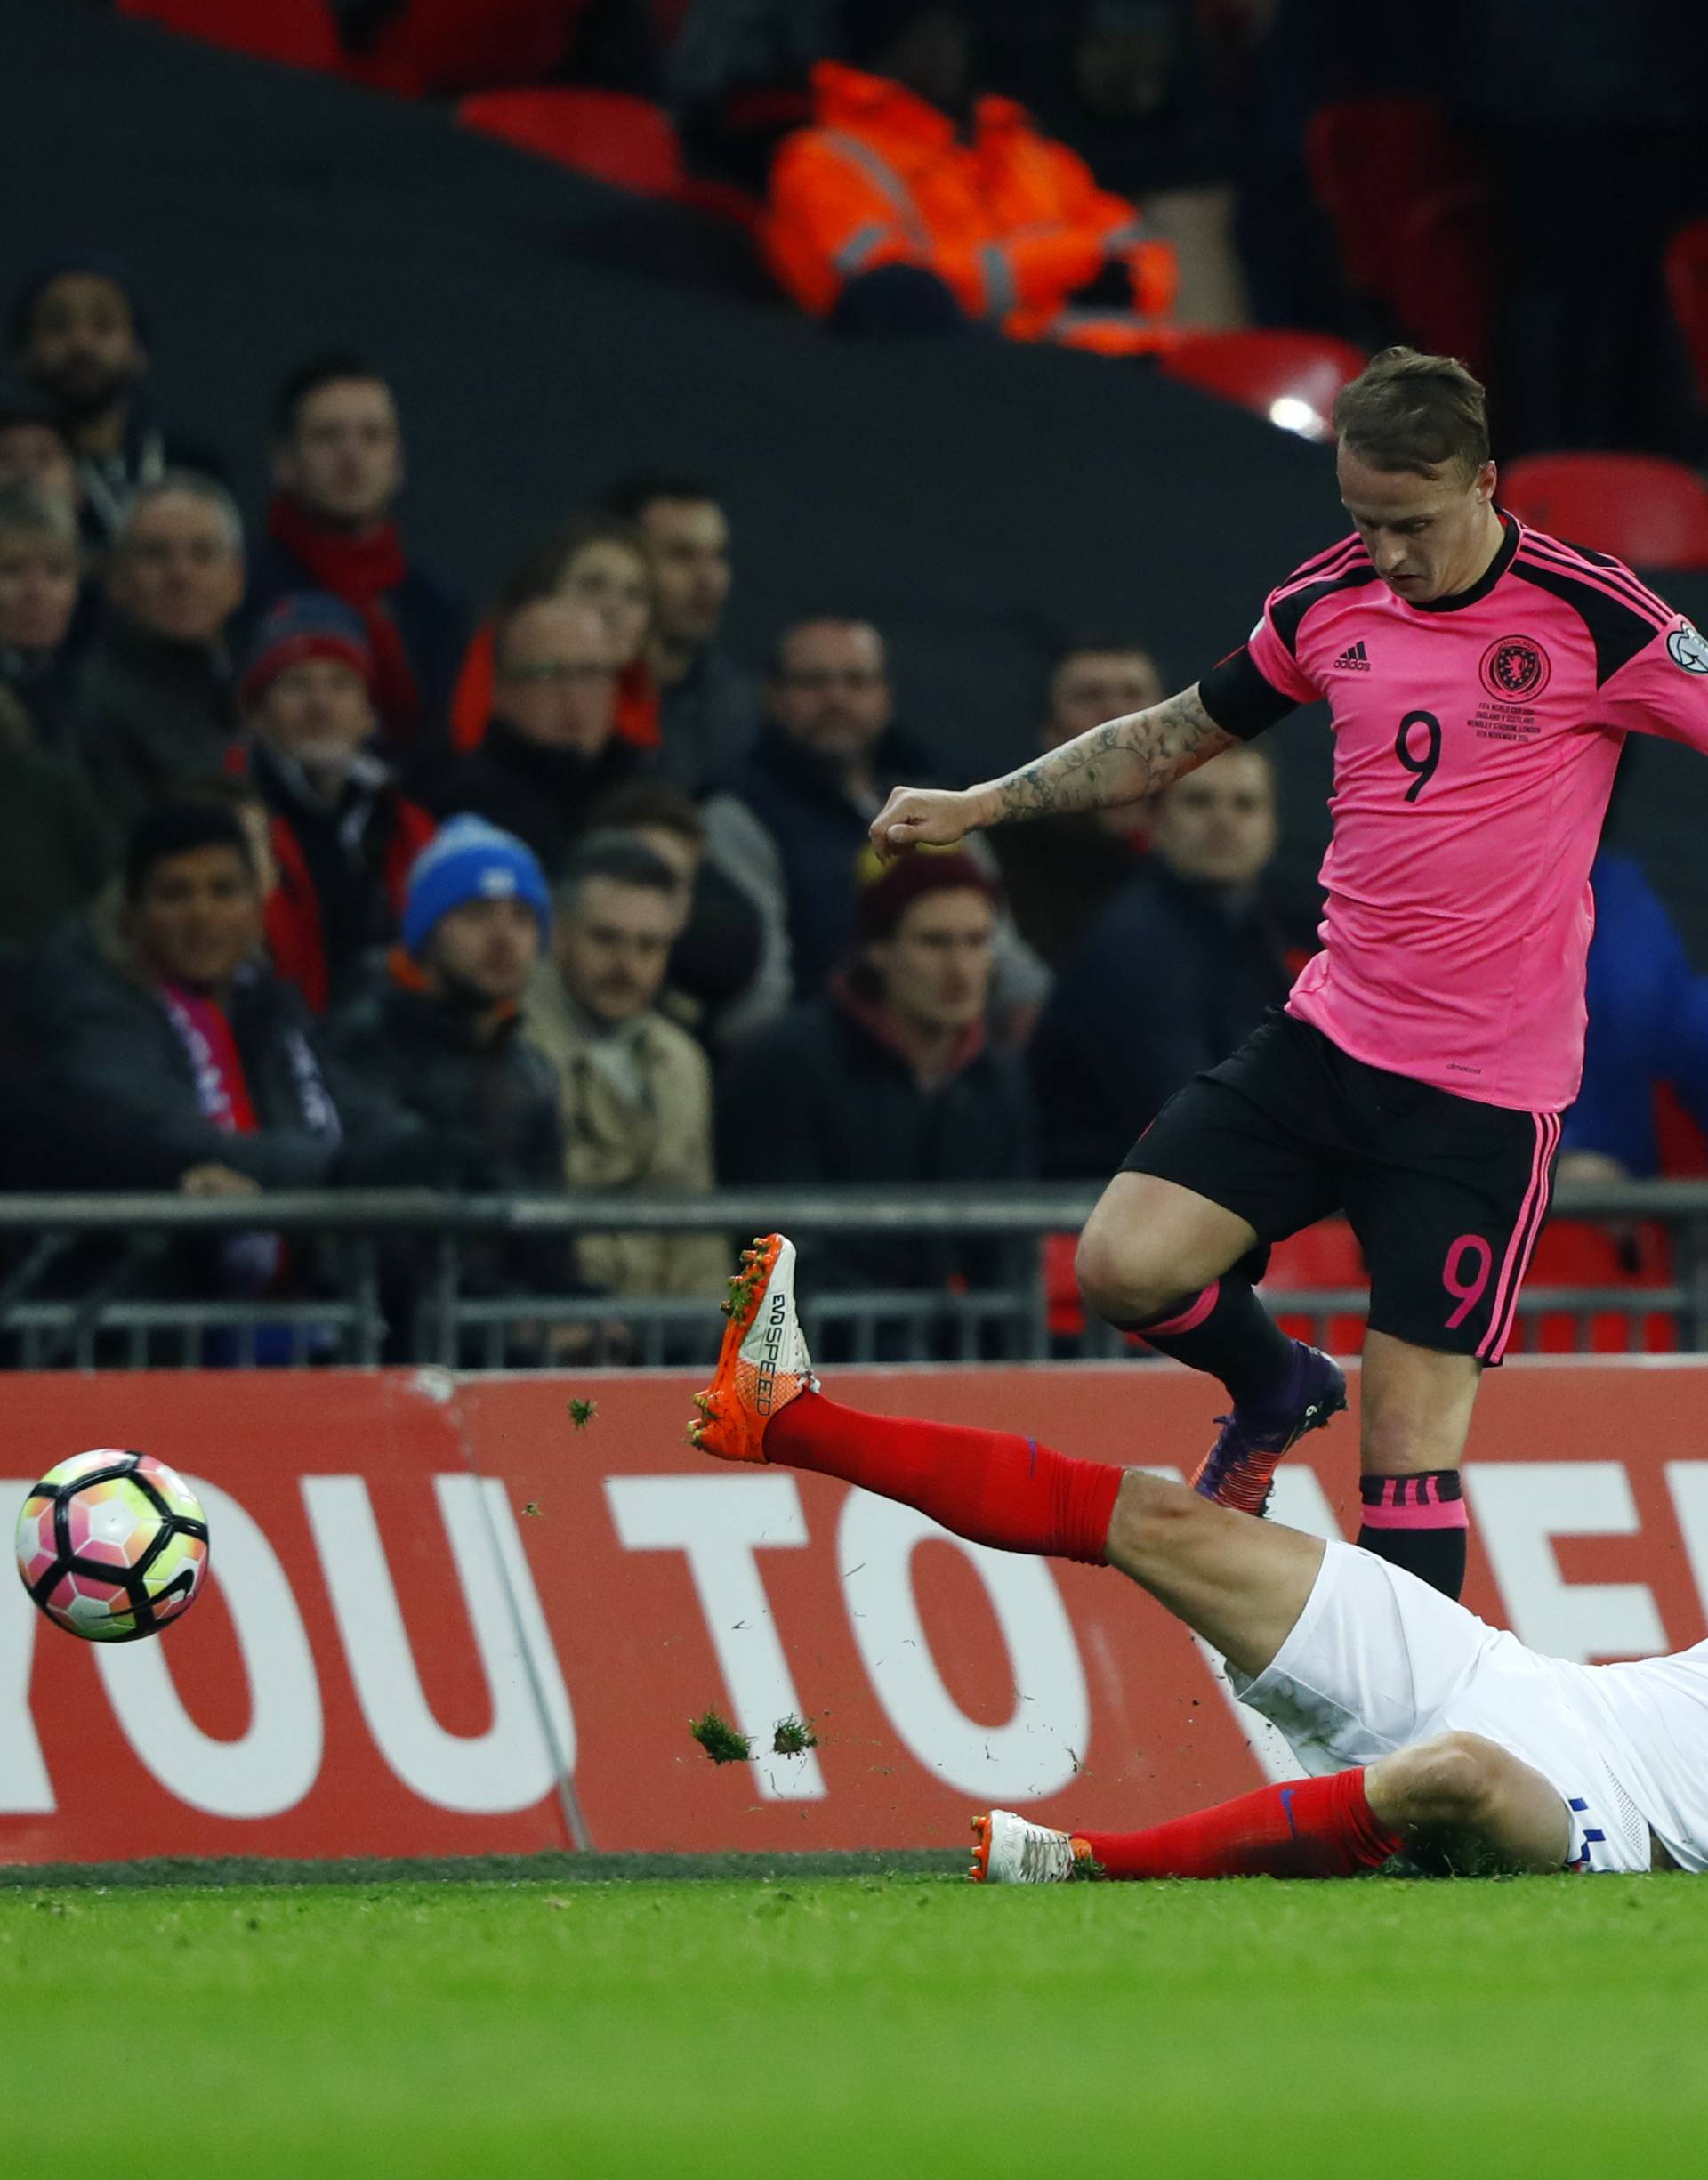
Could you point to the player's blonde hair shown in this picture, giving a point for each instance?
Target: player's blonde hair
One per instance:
(1409, 411)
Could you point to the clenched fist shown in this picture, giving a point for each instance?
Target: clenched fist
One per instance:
(925, 817)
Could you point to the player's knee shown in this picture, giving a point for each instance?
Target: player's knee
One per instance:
(1451, 1781)
(1153, 1518)
(1120, 1279)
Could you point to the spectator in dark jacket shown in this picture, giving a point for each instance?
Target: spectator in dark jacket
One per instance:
(82, 338)
(1178, 969)
(552, 748)
(444, 1041)
(56, 848)
(1060, 872)
(342, 836)
(1648, 1025)
(443, 1037)
(729, 969)
(39, 581)
(155, 695)
(338, 464)
(796, 811)
(176, 1061)
(709, 706)
(889, 1077)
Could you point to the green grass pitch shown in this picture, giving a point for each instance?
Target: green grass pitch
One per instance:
(873, 2025)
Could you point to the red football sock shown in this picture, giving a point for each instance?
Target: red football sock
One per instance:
(1309, 1827)
(991, 1487)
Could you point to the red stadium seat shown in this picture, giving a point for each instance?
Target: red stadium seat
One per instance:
(300, 33)
(1443, 273)
(1645, 509)
(1292, 378)
(1579, 1253)
(1687, 283)
(447, 48)
(606, 133)
(1370, 160)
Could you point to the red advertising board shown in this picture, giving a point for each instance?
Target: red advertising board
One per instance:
(444, 1619)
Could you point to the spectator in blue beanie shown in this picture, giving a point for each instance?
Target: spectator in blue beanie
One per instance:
(444, 1040)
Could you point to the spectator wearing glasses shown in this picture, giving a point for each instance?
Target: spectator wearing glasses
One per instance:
(551, 749)
(597, 561)
(797, 811)
(156, 692)
(338, 464)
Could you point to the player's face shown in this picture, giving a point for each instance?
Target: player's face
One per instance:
(1089, 687)
(935, 967)
(1427, 535)
(1217, 826)
(39, 590)
(613, 946)
(344, 457)
(197, 918)
(485, 949)
(831, 689)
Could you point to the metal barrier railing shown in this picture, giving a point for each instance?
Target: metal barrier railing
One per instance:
(112, 1280)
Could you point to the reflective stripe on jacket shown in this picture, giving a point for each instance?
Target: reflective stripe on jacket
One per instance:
(1013, 222)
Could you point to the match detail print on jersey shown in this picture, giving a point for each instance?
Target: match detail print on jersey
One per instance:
(1476, 739)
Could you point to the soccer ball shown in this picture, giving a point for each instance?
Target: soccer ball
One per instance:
(112, 1545)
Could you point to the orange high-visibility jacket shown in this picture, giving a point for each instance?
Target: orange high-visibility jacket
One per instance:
(1012, 222)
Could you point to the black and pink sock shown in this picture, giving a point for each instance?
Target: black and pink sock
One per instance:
(1227, 1331)
(1419, 1523)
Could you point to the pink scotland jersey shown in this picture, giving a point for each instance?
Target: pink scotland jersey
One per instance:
(1475, 743)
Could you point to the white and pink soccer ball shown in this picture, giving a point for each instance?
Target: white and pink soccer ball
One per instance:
(112, 1545)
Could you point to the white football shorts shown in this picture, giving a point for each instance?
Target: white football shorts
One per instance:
(1379, 1660)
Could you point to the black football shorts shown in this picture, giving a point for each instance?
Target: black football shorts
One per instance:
(1446, 1197)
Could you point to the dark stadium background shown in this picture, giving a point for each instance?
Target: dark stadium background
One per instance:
(546, 334)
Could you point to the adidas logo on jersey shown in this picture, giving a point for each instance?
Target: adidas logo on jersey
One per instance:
(1354, 661)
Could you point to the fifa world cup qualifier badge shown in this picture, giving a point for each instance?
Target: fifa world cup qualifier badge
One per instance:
(1687, 649)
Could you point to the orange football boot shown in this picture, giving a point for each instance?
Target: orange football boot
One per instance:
(764, 1363)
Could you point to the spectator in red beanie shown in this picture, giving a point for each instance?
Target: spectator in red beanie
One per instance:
(342, 836)
(888, 1078)
(338, 464)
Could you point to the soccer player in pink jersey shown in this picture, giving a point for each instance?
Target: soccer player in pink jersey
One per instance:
(1481, 678)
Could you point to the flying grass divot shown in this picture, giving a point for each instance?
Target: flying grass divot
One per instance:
(582, 1413)
(720, 1740)
(793, 1737)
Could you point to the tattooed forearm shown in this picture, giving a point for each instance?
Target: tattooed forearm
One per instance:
(1123, 761)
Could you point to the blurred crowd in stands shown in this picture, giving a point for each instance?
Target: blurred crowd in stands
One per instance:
(315, 871)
